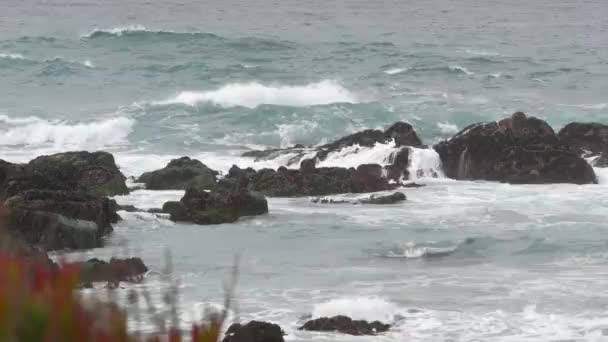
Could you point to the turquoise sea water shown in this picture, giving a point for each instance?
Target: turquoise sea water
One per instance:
(460, 261)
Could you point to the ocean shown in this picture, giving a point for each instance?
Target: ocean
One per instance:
(151, 80)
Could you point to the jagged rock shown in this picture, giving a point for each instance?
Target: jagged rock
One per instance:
(254, 331)
(180, 174)
(311, 182)
(117, 270)
(61, 219)
(592, 137)
(519, 149)
(345, 325)
(602, 160)
(94, 172)
(128, 208)
(388, 199)
(402, 133)
(215, 207)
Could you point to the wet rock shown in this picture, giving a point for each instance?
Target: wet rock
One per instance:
(254, 331)
(311, 182)
(518, 149)
(94, 172)
(413, 185)
(214, 207)
(115, 271)
(591, 137)
(180, 174)
(602, 160)
(373, 199)
(345, 325)
(402, 133)
(398, 164)
(388, 199)
(128, 208)
(61, 219)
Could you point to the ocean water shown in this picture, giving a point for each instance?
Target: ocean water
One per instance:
(459, 261)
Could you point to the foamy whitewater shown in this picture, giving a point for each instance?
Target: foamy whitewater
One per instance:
(458, 261)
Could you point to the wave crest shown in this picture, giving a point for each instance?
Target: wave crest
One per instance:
(37, 132)
(254, 94)
(367, 308)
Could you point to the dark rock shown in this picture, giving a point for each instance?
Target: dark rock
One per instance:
(215, 207)
(254, 331)
(176, 210)
(402, 133)
(519, 149)
(61, 219)
(592, 137)
(94, 172)
(388, 199)
(345, 325)
(308, 166)
(602, 160)
(413, 185)
(313, 182)
(398, 164)
(117, 270)
(180, 174)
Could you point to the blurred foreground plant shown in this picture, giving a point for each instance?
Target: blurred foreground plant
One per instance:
(39, 303)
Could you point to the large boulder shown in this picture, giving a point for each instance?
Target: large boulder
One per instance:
(180, 174)
(94, 172)
(214, 207)
(518, 149)
(345, 325)
(310, 180)
(254, 331)
(60, 219)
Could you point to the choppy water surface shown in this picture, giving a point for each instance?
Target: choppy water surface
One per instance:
(459, 261)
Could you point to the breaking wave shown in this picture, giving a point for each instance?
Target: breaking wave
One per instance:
(255, 94)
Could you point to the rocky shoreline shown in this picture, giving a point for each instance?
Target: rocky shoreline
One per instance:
(63, 201)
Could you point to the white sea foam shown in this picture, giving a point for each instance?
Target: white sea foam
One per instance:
(12, 56)
(424, 163)
(411, 250)
(88, 63)
(447, 128)
(458, 68)
(355, 155)
(367, 308)
(481, 52)
(254, 94)
(117, 31)
(395, 71)
(37, 132)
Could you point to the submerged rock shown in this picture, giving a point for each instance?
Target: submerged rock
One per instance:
(388, 199)
(115, 271)
(93, 172)
(214, 207)
(61, 219)
(180, 174)
(254, 331)
(518, 149)
(373, 199)
(345, 325)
